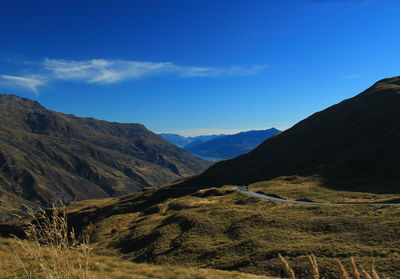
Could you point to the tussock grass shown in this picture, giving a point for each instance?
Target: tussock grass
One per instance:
(219, 228)
(52, 251)
(354, 269)
(342, 272)
(286, 268)
(314, 266)
(104, 267)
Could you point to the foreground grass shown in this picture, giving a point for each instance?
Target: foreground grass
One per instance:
(223, 229)
(226, 230)
(14, 264)
(50, 249)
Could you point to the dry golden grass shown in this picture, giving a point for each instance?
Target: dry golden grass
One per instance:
(51, 251)
(286, 268)
(314, 267)
(101, 267)
(224, 229)
(342, 272)
(15, 263)
(354, 269)
(313, 188)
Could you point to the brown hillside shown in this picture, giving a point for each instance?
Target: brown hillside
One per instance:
(352, 145)
(46, 156)
(221, 228)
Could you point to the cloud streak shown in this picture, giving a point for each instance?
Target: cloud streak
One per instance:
(30, 83)
(110, 71)
(105, 71)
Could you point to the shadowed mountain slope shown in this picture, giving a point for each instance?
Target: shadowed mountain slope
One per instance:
(46, 156)
(353, 145)
(231, 146)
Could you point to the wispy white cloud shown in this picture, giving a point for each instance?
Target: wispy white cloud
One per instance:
(30, 83)
(219, 72)
(112, 71)
(105, 71)
(108, 71)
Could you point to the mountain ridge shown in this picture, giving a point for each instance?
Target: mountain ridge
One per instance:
(335, 143)
(46, 156)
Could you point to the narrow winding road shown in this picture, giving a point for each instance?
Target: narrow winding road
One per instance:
(246, 191)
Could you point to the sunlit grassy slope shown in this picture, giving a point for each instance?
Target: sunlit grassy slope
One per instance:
(223, 229)
(107, 267)
(311, 189)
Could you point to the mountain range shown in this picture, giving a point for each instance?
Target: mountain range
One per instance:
(230, 146)
(221, 146)
(182, 141)
(47, 156)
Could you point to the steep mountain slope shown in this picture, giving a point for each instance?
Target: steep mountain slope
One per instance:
(46, 156)
(353, 145)
(231, 146)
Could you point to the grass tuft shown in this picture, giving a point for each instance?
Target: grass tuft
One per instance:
(50, 249)
(342, 270)
(354, 269)
(286, 268)
(313, 266)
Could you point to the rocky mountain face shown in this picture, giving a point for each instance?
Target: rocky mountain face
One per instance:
(353, 145)
(47, 156)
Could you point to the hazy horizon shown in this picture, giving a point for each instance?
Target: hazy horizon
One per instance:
(204, 132)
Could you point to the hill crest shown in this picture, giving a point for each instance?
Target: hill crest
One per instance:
(352, 145)
(46, 156)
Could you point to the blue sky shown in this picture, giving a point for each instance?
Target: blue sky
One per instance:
(196, 67)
